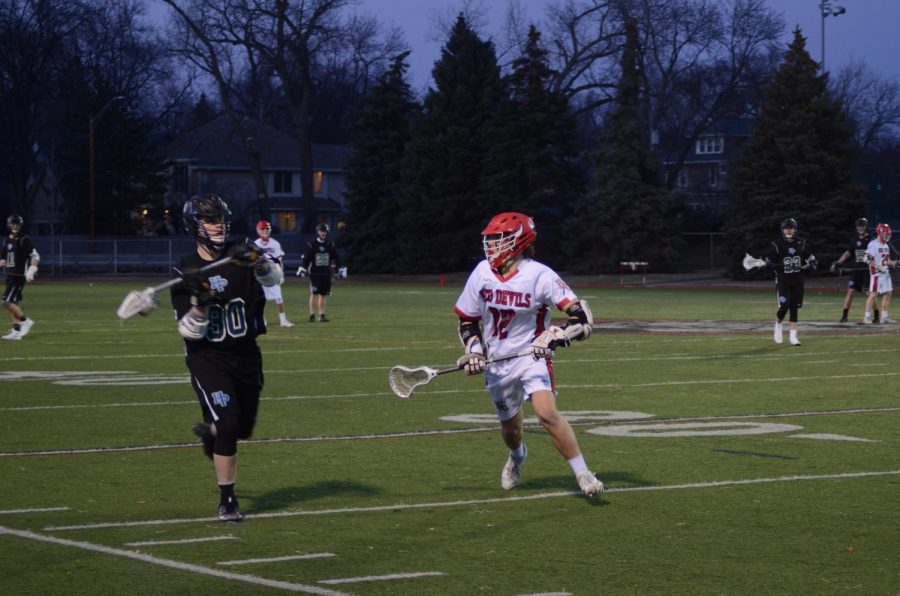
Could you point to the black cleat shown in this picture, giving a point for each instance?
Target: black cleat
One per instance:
(202, 430)
(312, 318)
(228, 510)
(843, 320)
(323, 319)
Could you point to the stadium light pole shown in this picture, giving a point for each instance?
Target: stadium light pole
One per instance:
(827, 9)
(92, 124)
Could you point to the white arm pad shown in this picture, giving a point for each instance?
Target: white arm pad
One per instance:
(35, 257)
(190, 326)
(31, 272)
(269, 275)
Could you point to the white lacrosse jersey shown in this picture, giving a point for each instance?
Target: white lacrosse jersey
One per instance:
(272, 249)
(513, 310)
(879, 254)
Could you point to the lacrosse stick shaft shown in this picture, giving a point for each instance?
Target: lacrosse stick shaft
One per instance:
(487, 362)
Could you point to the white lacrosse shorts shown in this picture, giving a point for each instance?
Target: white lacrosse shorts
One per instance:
(273, 292)
(512, 382)
(880, 282)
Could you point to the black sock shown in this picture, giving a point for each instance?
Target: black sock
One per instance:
(876, 315)
(226, 491)
(846, 311)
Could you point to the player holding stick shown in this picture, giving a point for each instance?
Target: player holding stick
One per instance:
(220, 313)
(859, 276)
(878, 255)
(505, 309)
(789, 257)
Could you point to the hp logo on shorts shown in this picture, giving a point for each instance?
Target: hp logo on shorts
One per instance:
(220, 398)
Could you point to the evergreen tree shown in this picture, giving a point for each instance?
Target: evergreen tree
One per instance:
(446, 200)
(627, 216)
(796, 164)
(379, 140)
(533, 162)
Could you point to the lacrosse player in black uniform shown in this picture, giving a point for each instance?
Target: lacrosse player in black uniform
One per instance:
(789, 257)
(322, 262)
(220, 313)
(20, 259)
(859, 275)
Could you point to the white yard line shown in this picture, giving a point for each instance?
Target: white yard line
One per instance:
(34, 510)
(440, 504)
(184, 541)
(144, 558)
(454, 431)
(278, 559)
(380, 578)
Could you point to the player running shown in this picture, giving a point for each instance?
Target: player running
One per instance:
(273, 252)
(504, 309)
(20, 259)
(220, 313)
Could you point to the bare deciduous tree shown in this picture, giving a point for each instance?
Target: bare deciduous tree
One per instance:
(871, 102)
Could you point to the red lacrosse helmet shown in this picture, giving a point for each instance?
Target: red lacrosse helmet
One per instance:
(506, 235)
(263, 226)
(883, 231)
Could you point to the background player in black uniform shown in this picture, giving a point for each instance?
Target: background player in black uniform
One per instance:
(20, 259)
(789, 257)
(859, 274)
(321, 261)
(220, 313)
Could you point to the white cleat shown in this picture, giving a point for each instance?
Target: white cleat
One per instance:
(509, 478)
(25, 327)
(286, 323)
(14, 334)
(590, 484)
(795, 341)
(779, 336)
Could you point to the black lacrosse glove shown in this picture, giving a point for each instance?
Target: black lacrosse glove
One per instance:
(201, 293)
(245, 253)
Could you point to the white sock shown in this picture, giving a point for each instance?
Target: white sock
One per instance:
(793, 334)
(577, 463)
(518, 453)
(282, 317)
(884, 315)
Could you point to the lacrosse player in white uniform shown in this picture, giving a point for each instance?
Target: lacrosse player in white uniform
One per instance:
(272, 249)
(878, 255)
(504, 309)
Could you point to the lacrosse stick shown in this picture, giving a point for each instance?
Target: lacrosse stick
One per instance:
(752, 262)
(404, 380)
(143, 302)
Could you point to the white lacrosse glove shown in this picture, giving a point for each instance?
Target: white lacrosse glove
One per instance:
(473, 361)
(301, 271)
(31, 272)
(342, 273)
(544, 344)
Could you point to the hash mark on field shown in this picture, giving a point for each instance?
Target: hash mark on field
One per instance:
(33, 510)
(755, 454)
(438, 504)
(278, 559)
(380, 578)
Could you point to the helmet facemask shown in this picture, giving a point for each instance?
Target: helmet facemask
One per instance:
(499, 247)
(208, 219)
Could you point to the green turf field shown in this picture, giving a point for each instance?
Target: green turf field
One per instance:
(733, 466)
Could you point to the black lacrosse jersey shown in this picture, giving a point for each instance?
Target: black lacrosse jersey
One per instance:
(320, 256)
(787, 259)
(16, 251)
(235, 312)
(858, 248)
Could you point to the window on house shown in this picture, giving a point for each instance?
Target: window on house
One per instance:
(713, 178)
(282, 182)
(318, 181)
(287, 221)
(180, 179)
(708, 145)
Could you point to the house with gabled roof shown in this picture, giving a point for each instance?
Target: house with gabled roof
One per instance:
(215, 158)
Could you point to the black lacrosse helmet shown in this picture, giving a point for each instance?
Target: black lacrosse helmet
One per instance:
(862, 222)
(212, 208)
(790, 223)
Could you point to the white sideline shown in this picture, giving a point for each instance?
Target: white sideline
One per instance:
(128, 554)
(434, 505)
(379, 578)
(33, 510)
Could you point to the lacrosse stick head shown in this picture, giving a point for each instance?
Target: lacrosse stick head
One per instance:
(750, 262)
(138, 303)
(404, 380)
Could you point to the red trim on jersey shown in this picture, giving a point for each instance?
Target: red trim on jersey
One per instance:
(539, 321)
(564, 305)
(507, 278)
(465, 317)
(552, 376)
